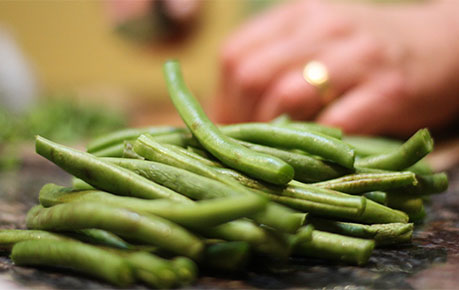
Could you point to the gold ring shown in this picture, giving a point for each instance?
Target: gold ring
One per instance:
(316, 74)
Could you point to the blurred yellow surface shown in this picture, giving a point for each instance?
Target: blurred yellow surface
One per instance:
(72, 46)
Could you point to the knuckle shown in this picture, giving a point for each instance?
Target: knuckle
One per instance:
(336, 25)
(228, 57)
(395, 86)
(371, 50)
(247, 77)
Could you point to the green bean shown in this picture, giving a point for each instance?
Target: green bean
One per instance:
(321, 201)
(97, 236)
(74, 255)
(314, 127)
(305, 198)
(336, 247)
(227, 256)
(413, 150)
(230, 153)
(315, 143)
(151, 270)
(262, 240)
(307, 168)
(304, 234)
(185, 182)
(186, 270)
(102, 174)
(431, 184)
(78, 184)
(197, 215)
(194, 155)
(149, 229)
(360, 183)
(118, 137)
(412, 206)
(151, 150)
(283, 119)
(382, 234)
(376, 213)
(116, 150)
(366, 145)
(128, 151)
(10, 237)
(377, 196)
(422, 167)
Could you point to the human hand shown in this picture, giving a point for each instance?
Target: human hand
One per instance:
(393, 68)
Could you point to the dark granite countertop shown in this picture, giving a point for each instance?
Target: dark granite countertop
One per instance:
(431, 262)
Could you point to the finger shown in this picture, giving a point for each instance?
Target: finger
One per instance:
(372, 108)
(348, 62)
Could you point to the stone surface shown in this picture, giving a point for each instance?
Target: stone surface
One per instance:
(431, 261)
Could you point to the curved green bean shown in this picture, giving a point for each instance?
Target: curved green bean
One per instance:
(315, 143)
(148, 229)
(76, 256)
(262, 166)
(413, 150)
(102, 174)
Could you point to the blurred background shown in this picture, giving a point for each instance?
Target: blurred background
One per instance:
(71, 70)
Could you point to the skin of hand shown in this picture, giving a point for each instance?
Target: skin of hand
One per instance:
(393, 67)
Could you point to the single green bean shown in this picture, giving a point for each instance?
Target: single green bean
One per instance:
(151, 150)
(115, 150)
(149, 229)
(422, 167)
(194, 155)
(366, 145)
(315, 143)
(330, 246)
(232, 154)
(10, 237)
(76, 256)
(383, 234)
(197, 215)
(412, 206)
(282, 119)
(377, 196)
(307, 168)
(314, 127)
(118, 137)
(413, 150)
(361, 183)
(97, 236)
(102, 174)
(128, 151)
(78, 184)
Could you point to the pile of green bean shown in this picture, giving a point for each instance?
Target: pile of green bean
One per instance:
(155, 204)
